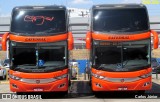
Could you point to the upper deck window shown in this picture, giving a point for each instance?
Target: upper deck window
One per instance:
(33, 22)
(120, 20)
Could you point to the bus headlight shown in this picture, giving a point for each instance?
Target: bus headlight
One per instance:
(146, 75)
(61, 77)
(14, 77)
(98, 76)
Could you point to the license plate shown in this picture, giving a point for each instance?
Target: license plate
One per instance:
(122, 88)
(38, 89)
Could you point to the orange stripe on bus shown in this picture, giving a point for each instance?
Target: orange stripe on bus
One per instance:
(36, 39)
(4, 41)
(124, 37)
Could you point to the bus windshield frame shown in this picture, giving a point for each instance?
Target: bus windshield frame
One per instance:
(38, 22)
(121, 56)
(120, 20)
(38, 57)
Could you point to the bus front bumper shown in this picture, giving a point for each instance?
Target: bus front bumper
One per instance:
(55, 86)
(103, 85)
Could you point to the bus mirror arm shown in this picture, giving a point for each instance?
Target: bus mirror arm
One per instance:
(88, 40)
(4, 41)
(70, 41)
(155, 39)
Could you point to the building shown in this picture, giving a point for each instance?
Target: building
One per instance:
(78, 24)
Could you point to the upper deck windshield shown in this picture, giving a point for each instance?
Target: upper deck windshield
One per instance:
(120, 20)
(34, 22)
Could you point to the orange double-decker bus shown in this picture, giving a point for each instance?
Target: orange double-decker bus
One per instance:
(39, 42)
(120, 45)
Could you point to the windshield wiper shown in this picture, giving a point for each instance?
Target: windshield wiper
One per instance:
(50, 66)
(120, 30)
(101, 66)
(125, 63)
(27, 65)
(133, 65)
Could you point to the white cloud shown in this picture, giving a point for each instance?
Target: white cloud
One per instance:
(5, 15)
(131, 1)
(82, 2)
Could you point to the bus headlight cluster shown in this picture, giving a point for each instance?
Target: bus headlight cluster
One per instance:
(61, 77)
(14, 77)
(146, 75)
(98, 76)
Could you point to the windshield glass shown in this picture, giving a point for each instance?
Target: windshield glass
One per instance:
(120, 20)
(38, 21)
(38, 56)
(122, 56)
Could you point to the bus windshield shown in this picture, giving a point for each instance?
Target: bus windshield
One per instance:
(38, 21)
(120, 20)
(38, 56)
(122, 56)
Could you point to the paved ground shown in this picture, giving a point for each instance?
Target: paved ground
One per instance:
(86, 100)
(4, 88)
(85, 94)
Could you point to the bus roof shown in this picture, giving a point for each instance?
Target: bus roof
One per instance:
(50, 7)
(118, 6)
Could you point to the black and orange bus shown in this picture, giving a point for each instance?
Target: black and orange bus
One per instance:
(39, 42)
(120, 44)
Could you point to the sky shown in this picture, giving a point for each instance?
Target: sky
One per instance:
(6, 6)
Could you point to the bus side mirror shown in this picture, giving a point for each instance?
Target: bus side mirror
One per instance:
(4, 41)
(88, 40)
(70, 41)
(155, 39)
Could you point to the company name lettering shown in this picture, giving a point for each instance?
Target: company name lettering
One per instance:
(118, 37)
(35, 39)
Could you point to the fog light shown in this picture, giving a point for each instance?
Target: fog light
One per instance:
(147, 83)
(62, 85)
(98, 85)
(14, 85)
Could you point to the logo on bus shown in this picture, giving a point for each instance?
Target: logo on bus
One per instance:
(118, 37)
(37, 81)
(35, 39)
(38, 20)
(122, 80)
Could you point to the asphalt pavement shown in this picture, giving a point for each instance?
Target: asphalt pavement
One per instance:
(81, 91)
